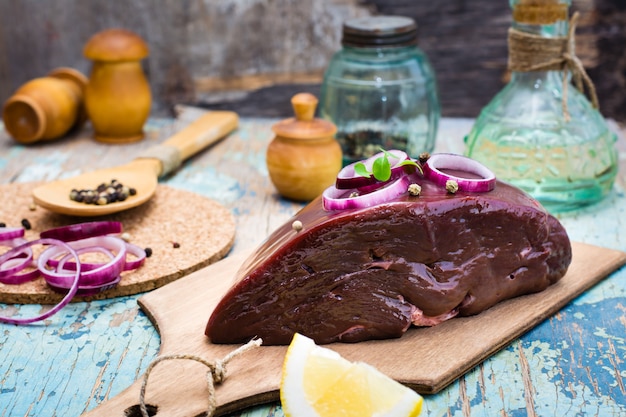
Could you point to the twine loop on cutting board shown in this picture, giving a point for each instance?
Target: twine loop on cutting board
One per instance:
(215, 375)
(530, 52)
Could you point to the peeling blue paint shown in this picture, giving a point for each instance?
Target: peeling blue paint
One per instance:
(78, 359)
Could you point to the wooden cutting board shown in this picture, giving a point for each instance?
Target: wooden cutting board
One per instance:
(426, 359)
(203, 229)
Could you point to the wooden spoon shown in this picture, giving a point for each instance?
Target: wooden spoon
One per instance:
(142, 173)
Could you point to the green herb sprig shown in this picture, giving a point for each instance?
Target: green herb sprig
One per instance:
(381, 168)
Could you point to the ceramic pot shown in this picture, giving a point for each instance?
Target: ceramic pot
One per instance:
(303, 158)
(118, 97)
(46, 108)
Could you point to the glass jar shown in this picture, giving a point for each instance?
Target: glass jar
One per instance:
(380, 89)
(559, 151)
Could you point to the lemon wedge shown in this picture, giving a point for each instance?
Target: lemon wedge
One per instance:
(318, 382)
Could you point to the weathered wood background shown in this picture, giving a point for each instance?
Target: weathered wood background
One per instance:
(252, 55)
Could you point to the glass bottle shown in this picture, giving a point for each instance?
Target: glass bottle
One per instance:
(525, 136)
(380, 89)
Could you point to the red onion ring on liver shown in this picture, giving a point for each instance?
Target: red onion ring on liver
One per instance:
(434, 165)
(348, 179)
(336, 199)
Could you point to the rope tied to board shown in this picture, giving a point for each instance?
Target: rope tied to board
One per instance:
(215, 375)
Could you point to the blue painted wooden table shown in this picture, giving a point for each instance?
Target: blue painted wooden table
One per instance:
(573, 364)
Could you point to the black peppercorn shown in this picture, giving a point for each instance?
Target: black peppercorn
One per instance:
(148, 252)
(103, 194)
(26, 224)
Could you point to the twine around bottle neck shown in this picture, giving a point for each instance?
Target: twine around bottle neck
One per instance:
(531, 52)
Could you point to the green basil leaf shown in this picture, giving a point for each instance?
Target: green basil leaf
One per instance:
(361, 169)
(382, 169)
(411, 163)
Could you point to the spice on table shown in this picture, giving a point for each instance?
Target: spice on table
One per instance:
(452, 186)
(26, 224)
(175, 245)
(148, 252)
(296, 225)
(414, 189)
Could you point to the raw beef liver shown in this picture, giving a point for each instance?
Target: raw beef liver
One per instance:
(371, 273)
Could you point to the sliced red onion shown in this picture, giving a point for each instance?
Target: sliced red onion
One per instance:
(130, 264)
(9, 233)
(96, 276)
(336, 199)
(60, 264)
(63, 264)
(10, 268)
(87, 290)
(17, 279)
(73, 288)
(349, 179)
(13, 262)
(83, 230)
(446, 161)
(138, 253)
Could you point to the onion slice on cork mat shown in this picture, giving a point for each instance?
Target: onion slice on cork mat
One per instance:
(185, 231)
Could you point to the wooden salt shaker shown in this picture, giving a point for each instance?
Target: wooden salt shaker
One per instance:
(46, 108)
(118, 96)
(303, 158)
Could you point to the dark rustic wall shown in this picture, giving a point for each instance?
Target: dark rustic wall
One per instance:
(252, 55)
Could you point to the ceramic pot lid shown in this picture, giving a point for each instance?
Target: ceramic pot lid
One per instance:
(304, 125)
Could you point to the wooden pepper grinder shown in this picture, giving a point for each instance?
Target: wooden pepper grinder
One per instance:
(46, 108)
(304, 158)
(118, 96)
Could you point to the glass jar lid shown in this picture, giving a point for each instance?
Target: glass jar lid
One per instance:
(379, 31)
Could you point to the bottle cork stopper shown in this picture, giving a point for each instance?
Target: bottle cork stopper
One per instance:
(540, 12)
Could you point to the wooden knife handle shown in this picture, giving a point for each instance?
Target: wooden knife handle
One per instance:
(199, 135)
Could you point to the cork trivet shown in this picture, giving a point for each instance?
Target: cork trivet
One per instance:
(204, 229)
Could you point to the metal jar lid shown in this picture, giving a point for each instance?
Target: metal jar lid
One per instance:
(379, 31)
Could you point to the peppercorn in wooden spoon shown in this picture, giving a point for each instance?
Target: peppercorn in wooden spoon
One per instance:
(139, 177)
